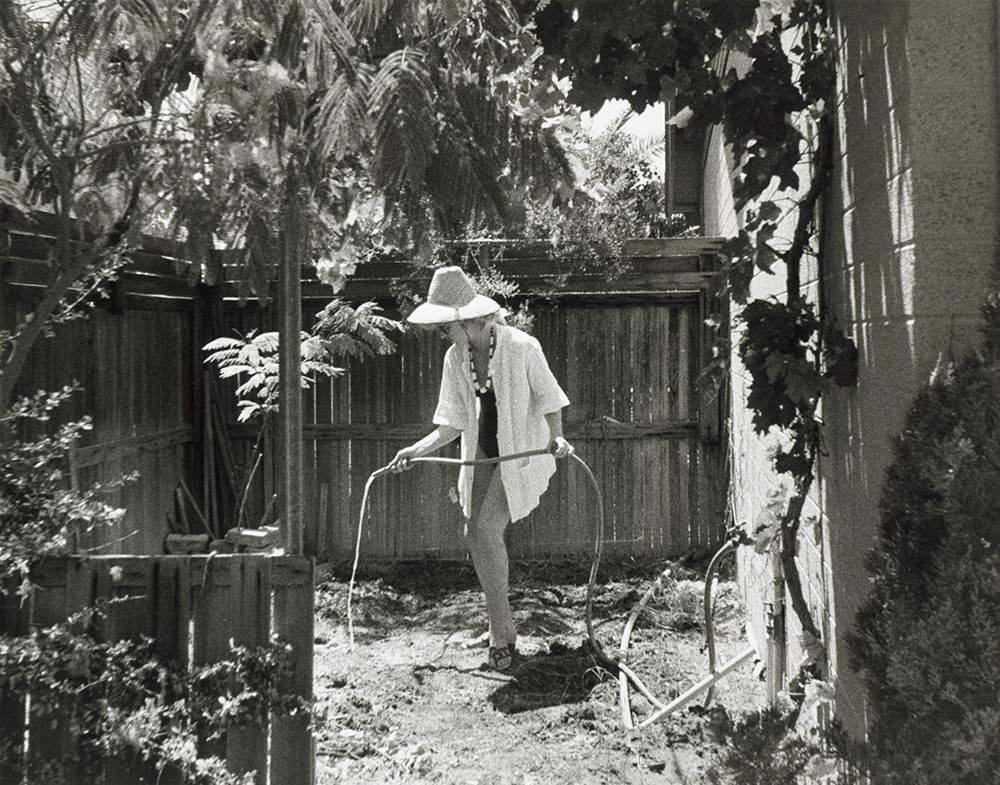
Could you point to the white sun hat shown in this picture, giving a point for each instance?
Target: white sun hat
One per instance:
(451, 298)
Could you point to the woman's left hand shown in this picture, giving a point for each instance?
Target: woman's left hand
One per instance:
(561, 448)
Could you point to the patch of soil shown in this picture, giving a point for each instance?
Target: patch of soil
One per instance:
(410, 703)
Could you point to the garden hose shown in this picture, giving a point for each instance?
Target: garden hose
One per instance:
(386, 470)
(624, 702)
(611, 664)
(709, 608)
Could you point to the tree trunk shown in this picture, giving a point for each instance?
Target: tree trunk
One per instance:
(293, 239)
(29, 334)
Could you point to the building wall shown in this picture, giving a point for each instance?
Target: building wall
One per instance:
(911, 244)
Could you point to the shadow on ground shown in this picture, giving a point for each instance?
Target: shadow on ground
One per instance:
(559, 676)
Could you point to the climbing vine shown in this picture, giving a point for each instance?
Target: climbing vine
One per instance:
(774, 112)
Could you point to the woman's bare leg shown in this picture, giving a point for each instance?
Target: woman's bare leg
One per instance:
(489, 553)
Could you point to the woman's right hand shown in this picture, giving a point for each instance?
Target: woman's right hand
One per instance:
(403, 459)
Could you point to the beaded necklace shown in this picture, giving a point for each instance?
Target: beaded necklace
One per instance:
(480, 389)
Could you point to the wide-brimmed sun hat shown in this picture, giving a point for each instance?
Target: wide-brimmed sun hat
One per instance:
(451, 298)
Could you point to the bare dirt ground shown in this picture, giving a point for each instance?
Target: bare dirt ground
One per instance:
(410, 704)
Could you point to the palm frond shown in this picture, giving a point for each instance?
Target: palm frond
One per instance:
(266, 342)
(231, 367)
(381, 20)
(649, 146)
(618, 120)
(366, 16)
(403, 107)
(329, 36)
(287, 47)
(312, 367)
(339, 124)
(255, 382)
(222, 345)
(93, 24)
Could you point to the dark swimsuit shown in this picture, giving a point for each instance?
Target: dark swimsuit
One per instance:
(488, 423)
(487, 405)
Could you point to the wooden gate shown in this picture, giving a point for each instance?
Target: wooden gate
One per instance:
(629, 355)
(192, 607)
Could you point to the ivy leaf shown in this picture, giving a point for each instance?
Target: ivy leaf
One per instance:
(765, 257)
(767, 211)
(802, 382)
(767, 523)
(764, 536)
(840, 356)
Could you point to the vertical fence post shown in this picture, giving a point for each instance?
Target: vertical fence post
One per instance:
(49, 735)
(246, 746)
(170, 624)
(213, 621)
(292, 754)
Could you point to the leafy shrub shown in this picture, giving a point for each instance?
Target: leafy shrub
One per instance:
(927, 639)
(763, 747)
(120, 699)
(38, 509)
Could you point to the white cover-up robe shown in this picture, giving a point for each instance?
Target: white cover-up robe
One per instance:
(525, 391)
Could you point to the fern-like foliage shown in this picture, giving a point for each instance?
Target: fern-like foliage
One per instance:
(340, 331)
(412, 103)
(38, 512)
(186, 118)
(254, 359)
(355, 332)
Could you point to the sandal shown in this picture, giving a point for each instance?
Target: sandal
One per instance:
(500, 658)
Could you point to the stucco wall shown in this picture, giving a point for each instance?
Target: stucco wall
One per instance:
(911, 243)
(753, 483)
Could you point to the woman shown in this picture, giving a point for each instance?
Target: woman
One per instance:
(498, 394)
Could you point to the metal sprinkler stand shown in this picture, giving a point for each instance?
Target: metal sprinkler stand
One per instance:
(705, 684)
(708, 683)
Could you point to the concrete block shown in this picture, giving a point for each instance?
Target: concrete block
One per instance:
(186, 543)
(254, 538)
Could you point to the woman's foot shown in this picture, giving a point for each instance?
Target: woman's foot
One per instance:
(500, 658)
(479, 642)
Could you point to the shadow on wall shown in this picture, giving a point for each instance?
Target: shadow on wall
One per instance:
(912, 241)
(867, 288)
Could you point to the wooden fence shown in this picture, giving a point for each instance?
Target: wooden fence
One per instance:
(137, 360)
(628, 353)
(629, 361)
(192, 607)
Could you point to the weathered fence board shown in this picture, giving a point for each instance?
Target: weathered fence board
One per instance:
(132, 358)
(220, 598)
(629, 360)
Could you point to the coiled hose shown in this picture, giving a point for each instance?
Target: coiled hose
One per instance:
(613, 665)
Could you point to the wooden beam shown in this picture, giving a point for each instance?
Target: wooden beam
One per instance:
(105, 451)
(593, 429)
